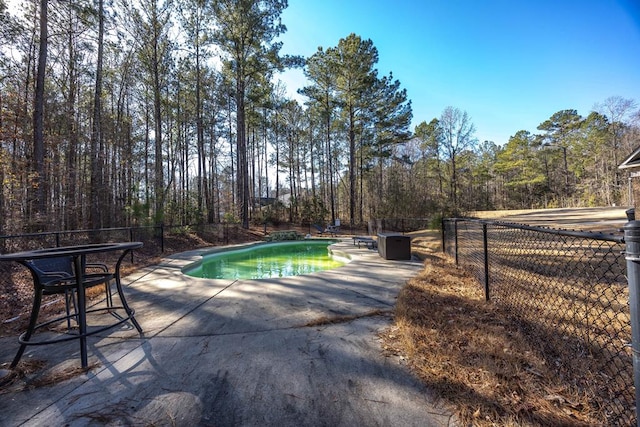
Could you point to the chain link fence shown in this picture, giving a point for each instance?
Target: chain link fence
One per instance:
(401, 225)
(568, 292)
(16, 286)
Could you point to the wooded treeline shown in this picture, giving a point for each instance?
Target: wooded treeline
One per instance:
(570, 161)
(115, 113)
(119, 113)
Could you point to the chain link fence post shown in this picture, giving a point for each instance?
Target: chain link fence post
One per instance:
(455, 238)
(443, 224)
(485, 247)
(632, 255)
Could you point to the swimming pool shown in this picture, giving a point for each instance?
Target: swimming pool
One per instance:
(267, 260)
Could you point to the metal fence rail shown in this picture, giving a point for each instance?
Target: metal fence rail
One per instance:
(568, 292)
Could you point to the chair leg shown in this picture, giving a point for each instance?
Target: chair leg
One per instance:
(107, 289)
(37, 302)
(66, 305)
(69, 298)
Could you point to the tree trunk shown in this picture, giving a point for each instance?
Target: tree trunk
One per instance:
(96, 130)
(38, 202)
(233, 172)
(277, 159)
(71, 212)
(242, 165)
(147, 155)
(361, 173)
(313, 179)
(157, 117)
(200, 131)
(330, 163)
(352, 167)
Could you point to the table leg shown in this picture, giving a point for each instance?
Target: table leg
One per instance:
(130, 312)
(37, 302)
(78, 262)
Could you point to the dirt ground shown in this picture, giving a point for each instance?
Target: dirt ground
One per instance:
(605, 220)
(472, 353)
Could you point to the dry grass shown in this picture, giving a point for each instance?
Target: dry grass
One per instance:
(31, 374)
(465, 349)
(603, 220)
(471, 355)
(332, 320)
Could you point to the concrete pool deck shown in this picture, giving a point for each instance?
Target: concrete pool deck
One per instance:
(237, 353)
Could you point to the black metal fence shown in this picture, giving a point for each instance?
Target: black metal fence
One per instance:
(16, 288)
(402, 225)
(568, 292)
(153, 237)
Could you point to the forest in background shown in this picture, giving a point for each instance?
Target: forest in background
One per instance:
(115, 113)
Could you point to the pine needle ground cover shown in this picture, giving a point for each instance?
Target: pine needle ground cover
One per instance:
(473, 356)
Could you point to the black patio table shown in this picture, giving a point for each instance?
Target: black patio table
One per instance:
(78, 283)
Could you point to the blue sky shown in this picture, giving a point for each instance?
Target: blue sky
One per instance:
(510, 64)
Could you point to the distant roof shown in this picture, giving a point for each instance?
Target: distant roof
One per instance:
(633, 161)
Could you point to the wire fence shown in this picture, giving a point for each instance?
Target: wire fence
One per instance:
(16, 286)
(401, 225)
(568, 292)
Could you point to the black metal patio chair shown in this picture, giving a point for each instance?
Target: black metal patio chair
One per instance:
(56, 276)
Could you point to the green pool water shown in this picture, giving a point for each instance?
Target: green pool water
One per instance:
(268, 260)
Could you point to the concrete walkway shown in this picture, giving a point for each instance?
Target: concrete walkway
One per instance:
(236, 353)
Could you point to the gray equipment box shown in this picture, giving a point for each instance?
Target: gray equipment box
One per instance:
(394, 246)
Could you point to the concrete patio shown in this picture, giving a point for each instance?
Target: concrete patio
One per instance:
(237, 353)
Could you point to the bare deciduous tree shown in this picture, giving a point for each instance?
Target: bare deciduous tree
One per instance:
(458, 135)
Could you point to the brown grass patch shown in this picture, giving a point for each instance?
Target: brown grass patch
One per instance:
(30, 374)
(330, 320)
(470, 354)
(425, 242)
